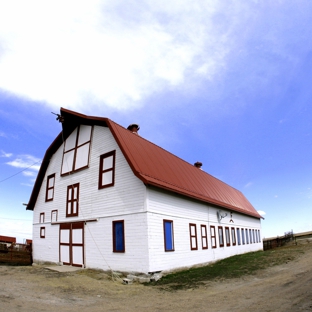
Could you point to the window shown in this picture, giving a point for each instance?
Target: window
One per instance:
(168, 235)
(42, 232)
(243, 237)
(259, 236)
(247, 241)
(41, 218)
(72, 200)
(54, 216)
(118, 236)
(107, 170)
(250, 237)
(227, 236)
(233, 236)
(50, 187)
(238, 236)
(220, 232)
(203, 230)
(213, 237)
(77, 149)
(253, 236)
(193, 236)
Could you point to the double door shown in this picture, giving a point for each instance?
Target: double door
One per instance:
(72, 243)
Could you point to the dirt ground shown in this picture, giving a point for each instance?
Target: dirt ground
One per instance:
(286, 287)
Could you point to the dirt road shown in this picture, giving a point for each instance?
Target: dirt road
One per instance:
(286, 287)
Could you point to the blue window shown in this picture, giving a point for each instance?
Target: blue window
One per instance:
(168, 235)
(118, 236)
(243, 237)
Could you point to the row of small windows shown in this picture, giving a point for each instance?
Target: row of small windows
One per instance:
(242, 235)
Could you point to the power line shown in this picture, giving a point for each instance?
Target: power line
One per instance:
(20, 171)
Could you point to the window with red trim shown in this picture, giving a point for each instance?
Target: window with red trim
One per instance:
(54, 216)
(72, 202)
(233, 236)
(203, 231)
(107, 170)
(41, 218)
(50, 187)
(227, 236)
(42, 232)
(221, 238)
(118, 236)
(193, 236)
(77, 150)
(213, 237)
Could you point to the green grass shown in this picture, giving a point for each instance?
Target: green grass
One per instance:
(232, 267)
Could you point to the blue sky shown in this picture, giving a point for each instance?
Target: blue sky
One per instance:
(227, 84)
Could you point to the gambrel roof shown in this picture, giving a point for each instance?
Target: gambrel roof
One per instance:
(153, 165)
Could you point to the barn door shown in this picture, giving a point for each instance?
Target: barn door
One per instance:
(71, 244)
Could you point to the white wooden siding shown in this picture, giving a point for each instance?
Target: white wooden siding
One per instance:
(163, 205)
(126, 197)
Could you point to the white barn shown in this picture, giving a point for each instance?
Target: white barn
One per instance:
(107, 198)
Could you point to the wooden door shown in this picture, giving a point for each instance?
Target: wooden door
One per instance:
(72, 244)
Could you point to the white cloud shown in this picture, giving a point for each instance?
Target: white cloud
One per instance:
(4, 154)
(29, 173)
(21, 229)
(25, 161)
(249, 184)
(261, 212)
(2, 134)
(111, 53)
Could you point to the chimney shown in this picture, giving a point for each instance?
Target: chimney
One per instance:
(198, 165)
(134, 128)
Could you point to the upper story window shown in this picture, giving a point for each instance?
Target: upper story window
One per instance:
(221, 240)
(41, 218)
(227, 236)
(107, 170)
(213, 236)
(233, 236)
(203, 230)
(50, 187)
(72, 203)
(77, 149)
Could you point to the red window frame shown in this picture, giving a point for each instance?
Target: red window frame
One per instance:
(227, 236)
(50, 188)
(233, 236)
(74, 150)
(56, 212)
(193, 236)
(42, 232)
(72, 201)
(103, 171)
(203, 231)
(221, 236)
(213, 236)
(41, 217)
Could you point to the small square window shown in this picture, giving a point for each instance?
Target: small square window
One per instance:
(168, 235)
(42, 232)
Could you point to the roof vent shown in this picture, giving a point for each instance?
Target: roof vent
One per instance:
(134, 128)
(198, 164)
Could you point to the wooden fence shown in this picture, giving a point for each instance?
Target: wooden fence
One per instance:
(17, 256)
(278, 241)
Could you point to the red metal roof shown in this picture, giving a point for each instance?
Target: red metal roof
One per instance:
(157, 167)
(7, 239)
